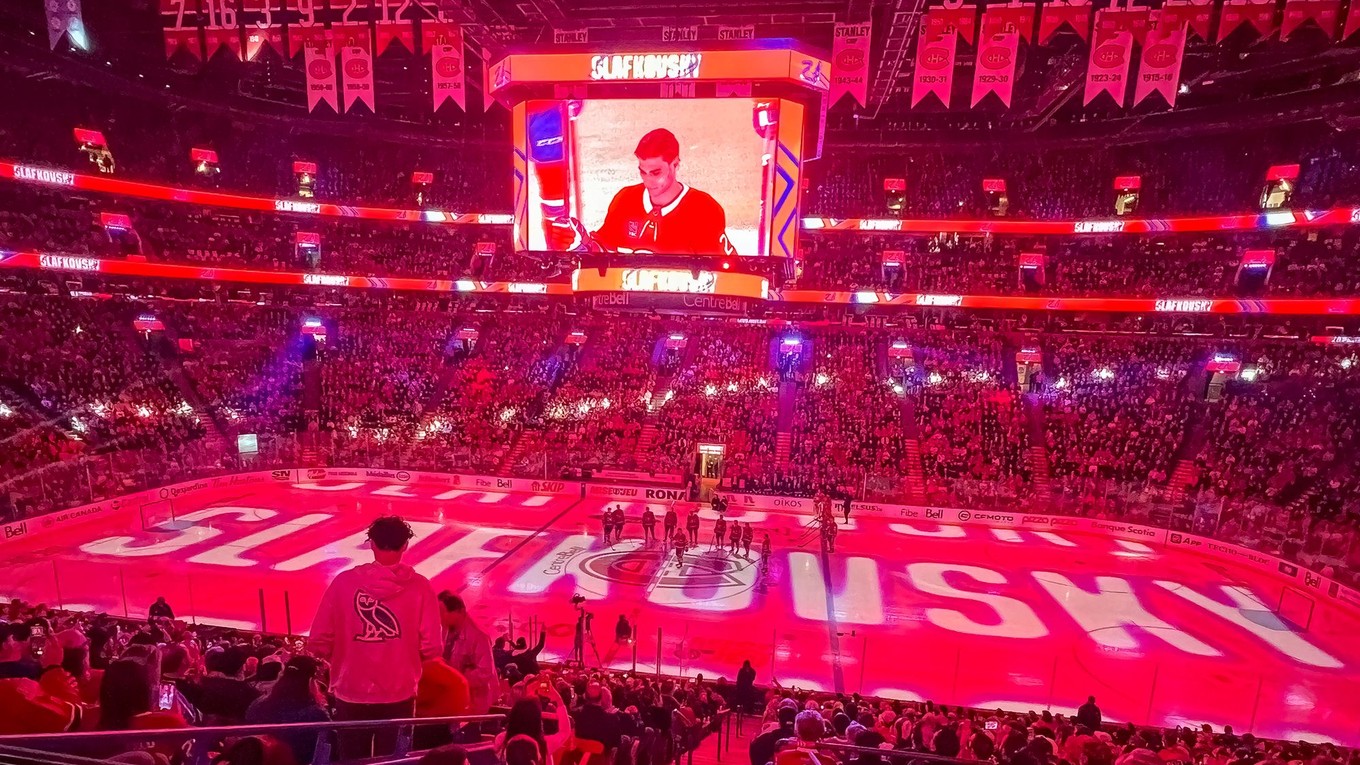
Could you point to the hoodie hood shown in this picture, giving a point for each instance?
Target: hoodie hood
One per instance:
(384, 582)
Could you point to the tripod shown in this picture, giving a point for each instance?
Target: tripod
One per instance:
(584, 633)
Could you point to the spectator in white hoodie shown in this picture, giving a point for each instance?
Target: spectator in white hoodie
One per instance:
(376, 624)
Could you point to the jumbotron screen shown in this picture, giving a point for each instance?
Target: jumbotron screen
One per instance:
(707, 176)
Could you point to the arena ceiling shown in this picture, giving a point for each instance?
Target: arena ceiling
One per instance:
(1278, 79)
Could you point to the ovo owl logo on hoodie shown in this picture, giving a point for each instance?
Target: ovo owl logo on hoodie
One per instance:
(379, 622)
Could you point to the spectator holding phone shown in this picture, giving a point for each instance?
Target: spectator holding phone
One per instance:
(17, 649)
(47, 704)
(526, 719)
(133, 698)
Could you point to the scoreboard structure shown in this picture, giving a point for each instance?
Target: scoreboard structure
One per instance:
(744, 119)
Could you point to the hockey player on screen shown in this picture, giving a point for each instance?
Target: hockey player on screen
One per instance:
(660, 215)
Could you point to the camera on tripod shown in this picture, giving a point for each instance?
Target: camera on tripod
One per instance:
(584, 634)
(582, 615)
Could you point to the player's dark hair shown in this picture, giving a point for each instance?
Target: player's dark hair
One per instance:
(452, 602)
(658, 143)
(390, 533)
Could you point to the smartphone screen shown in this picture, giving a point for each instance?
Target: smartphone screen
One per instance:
(167, 697)
(991, 725)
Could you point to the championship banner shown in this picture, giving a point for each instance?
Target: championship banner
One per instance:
(444, 41)
(850, 62)
(1325, 13)
(953, 17)
(1074, 13)
(743, 32)
(64, 18)
(1352, 20)
(1112, 51)
(1260, 14)
(1159, 69)
(318, 58)
(1196, 15)
(995, 71)
(934, 71)
(356, 61)
(400, 31)
(1013, 17)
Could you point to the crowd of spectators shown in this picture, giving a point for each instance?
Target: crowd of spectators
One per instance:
(847, 423)
(87, 671)
(78, 376)
(1072, 180)
(244, 360)
(1117, 409)
(93, 406)
(727, 395)
(33, 219)
(62, 671)
(496, 384)
(826, 728)
(968, 417)
(151, 139)
(593, 416)
(1313, 264)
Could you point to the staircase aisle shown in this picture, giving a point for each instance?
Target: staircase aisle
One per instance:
(522, 440)
(1186, 472)
(916, 471)
(216, 434)
(1041, 474)
(783, 447)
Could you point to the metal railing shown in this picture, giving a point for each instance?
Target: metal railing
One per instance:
(58, 747)
(893, 755)
(18, 755)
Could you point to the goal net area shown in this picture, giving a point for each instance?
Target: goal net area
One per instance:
(158, 516)
(1296, 608)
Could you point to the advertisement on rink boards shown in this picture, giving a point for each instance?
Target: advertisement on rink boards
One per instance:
(453, 480)
(636, 493)
(130, 504)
